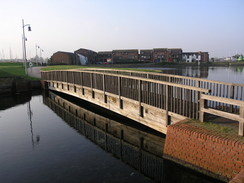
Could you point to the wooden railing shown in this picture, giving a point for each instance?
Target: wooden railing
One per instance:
(176, 94)
(237, 117)
(217, 88)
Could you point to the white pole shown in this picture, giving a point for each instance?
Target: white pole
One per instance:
(24, 47)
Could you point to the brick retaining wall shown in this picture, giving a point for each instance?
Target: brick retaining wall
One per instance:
(216, 156)
(239, 178)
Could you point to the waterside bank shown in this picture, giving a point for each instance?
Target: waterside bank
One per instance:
(216, 153)
(17, 85)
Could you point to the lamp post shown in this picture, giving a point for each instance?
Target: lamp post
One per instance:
(41, 50)
(24, 46)
(36, 53)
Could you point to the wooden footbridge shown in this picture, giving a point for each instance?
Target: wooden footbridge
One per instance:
(152, 99)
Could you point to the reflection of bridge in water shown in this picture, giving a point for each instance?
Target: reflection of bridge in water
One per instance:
(154, 100)
(139, 149)
(134, 144)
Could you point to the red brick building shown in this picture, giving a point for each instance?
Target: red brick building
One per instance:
(160, 54)
(130, 55)
(146, 55)
(125, 55)
(167, 55)
(62, 57)
(204, 56)
(104, 56)
(175, 55)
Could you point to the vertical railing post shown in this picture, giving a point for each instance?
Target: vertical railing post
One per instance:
(104, 90)
(198, 85)
(202, 106)
(73, 77)
(119, 93)
(91, 79)
(232, 89)
(82, 83)
(167, 105)
(139, 99)
(241, 122)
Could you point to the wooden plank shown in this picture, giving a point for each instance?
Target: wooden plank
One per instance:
(222, 114)
(223, 100)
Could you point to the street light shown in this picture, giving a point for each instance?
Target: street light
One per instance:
(36, 53)
(41, 50)
(24, 46)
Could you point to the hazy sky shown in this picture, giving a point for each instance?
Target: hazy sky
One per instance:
(215, 26)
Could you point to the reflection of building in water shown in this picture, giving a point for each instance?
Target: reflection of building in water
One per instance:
(140, 149)
(196, 72)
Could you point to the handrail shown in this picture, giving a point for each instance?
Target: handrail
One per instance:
(163, 74)
(227, 115)
(146, 79)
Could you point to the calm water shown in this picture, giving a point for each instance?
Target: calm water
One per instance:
(232, 74)
(56, 138)
(41, 141)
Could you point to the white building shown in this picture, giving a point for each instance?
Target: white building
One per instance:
(191, 56)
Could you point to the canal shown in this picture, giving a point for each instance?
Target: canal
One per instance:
(231, 74)
(50, 137)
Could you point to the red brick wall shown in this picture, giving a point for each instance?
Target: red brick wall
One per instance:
(60, 57)
(209, 153)
(239, 178)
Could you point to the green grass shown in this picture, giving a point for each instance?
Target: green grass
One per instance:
(63, 67)
(66, 67)
(13, 69)
(210, 126)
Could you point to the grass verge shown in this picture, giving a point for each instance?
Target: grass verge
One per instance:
(13, 69)
(66, 67)
(216, 129)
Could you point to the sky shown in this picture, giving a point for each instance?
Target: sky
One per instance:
(214, 26)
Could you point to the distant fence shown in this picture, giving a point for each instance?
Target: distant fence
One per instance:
(176, 94)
